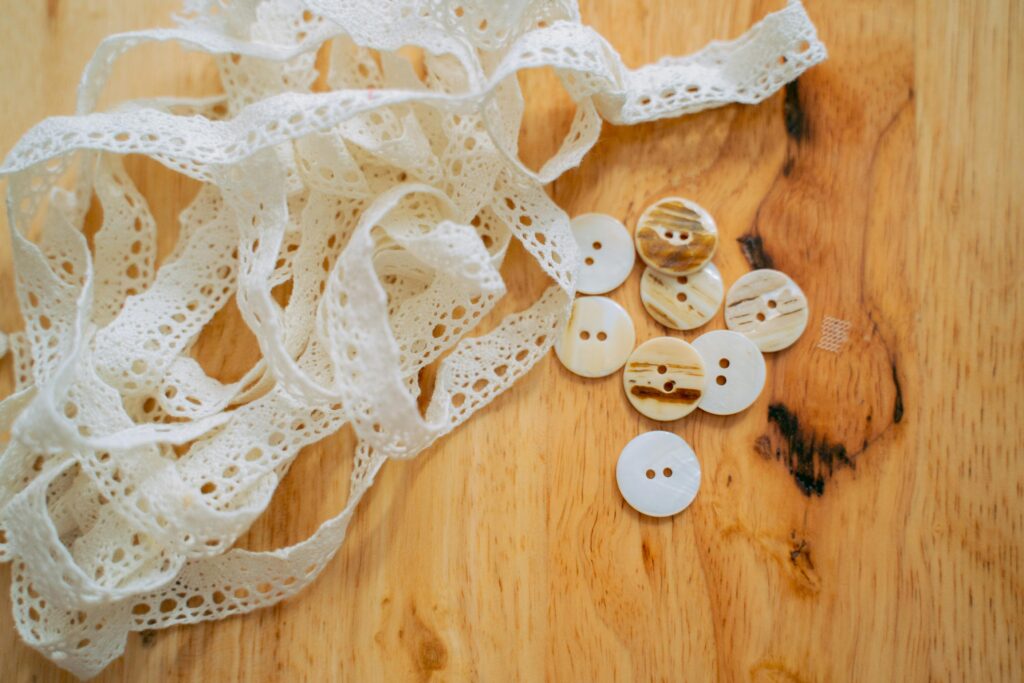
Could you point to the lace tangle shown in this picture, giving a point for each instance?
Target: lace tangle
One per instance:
(385, 200)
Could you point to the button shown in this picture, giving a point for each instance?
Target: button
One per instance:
(736, 372)
(682, 302)
(598, 338)
(658, 474)
(767, 307)
(607, 252)
(664, 379)
(676, 236)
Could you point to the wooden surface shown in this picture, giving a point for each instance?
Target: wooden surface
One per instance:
(862, 522)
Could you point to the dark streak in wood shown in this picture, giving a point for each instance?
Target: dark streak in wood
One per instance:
(897, 409)
(809, 457)
(52, 9)
(787, 166)
(793, 114)
(648, 557)
(148, 637)
(752, 247)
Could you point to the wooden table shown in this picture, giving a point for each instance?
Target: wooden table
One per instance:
(860, 523)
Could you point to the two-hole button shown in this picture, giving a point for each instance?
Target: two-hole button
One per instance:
(658, 474)
(606, 250)
(736, 371)
(597, 339)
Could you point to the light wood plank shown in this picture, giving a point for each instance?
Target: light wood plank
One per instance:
(506, 552)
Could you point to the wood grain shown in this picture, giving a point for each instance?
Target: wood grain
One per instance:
(862, 522)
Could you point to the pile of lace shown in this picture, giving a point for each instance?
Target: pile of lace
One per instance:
(385, 193)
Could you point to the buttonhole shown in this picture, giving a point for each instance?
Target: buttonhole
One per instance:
(597, 245)
(601, 336)
(667, 472)
(650, 474)
(584, 335)
(760, 317)
(724, 363)
(721, 380)
(662, 369)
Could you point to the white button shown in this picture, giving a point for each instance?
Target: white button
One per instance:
(658, 474)
(597, 339)
(664, 379)
(676, 236)
(736, 371)
(767, 307)
(682, 302)
(606, 250)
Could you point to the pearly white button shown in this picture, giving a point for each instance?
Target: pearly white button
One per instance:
(682, 302)
(597, 339)
(658, 474)
(664, 379)
(676, 236)
(606, 250)
(767, 307)
(736, 371)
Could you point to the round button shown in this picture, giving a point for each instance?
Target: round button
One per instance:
(597, 339)
(664, 379)
(658, 474)
(607, 252)
(676, 236)
(682, 302)
(767, 307)
(736, 372)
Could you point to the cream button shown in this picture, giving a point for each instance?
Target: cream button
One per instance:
(768, 308)
(606, 250)
(682, 302)
(658, 474)
(597, 339)
(676, 236)
(736, 372)
(664, 379)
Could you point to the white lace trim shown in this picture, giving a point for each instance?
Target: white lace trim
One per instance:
(387, 202)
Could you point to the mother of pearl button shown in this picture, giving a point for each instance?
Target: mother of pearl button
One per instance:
(768, 307)
(597, 339)
(658, 474)
(664, 379)
(676, 236)
(606, 250)
(736, 371)
(682, 302)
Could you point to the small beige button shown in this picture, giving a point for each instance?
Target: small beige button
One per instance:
(682, 302)
(676, 236)
(606, 251)
(658, 474)
(736, 371)
(597, 339)
(767, 307)
(664, 379)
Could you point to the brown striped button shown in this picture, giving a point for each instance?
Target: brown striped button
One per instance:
(664, 379)
(676, 236)
(768, 308)
(682, 302)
